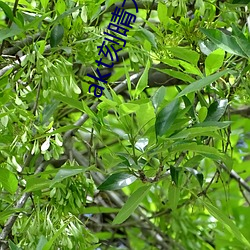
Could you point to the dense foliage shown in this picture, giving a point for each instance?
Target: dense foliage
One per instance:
(159, 161)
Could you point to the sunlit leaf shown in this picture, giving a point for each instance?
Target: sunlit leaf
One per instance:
(8, 180)
(229, 224)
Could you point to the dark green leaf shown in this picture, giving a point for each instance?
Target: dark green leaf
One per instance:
(117, 181)
(166, 117)
(56, 35)
(223, 41)
(198, 85)
(198, 175)
(194, 161)
(216, 110)
(7, 10)
(245, 2)
(174, 172)
(213, 124)
(144, 34)
(67, 172)
(177, 74)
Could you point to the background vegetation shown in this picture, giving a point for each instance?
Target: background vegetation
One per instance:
(160, 161)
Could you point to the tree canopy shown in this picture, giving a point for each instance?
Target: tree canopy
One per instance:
(124, 124)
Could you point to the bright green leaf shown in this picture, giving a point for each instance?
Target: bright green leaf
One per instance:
(143, 81)
(162, 12)
(214, 61)
(186, 54)
(229, 224)
(8, 180)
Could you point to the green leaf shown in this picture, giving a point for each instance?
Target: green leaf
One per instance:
(98, 210)
(56, 35)
(166, 117)
(197, 85)
(186, 54)
(143, 81)
(177, 74)
(132, 203)
(70, 101)
(202, 114)
(41, 243)
(162, 12)
(158, 97)
(219, 125)
(214, 61)
(35, 184)
(44, 3)
(117, 181)
(174, 172)
(13, 246)
(227, 223)
(245, 2)
(8, 180)
(216, 110)
(198, 175)
(49, 244)
(143, 34)
(173, 196)
(193, 132)
(49, 110)
(9, 211)
(223, 41)
(128, 108)
(68, 12)
(244, 45)
(7, 10)
(9, 32)
(66, 172)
